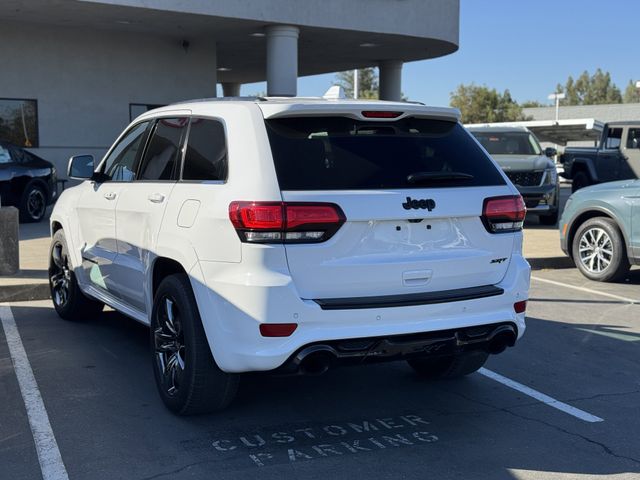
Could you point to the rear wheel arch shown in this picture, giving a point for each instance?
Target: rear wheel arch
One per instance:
(163, 267)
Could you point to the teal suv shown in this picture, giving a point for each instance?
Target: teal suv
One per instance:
(600, 229)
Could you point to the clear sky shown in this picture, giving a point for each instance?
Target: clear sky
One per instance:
(527, 46)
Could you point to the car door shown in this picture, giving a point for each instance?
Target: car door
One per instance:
(634, 198)
(631, 153)
(609, 156)
(141, 206)
(96, 209)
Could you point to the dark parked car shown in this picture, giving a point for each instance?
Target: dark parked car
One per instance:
(616, 158)
(26, 181)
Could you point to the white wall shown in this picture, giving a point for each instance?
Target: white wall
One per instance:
(84, 81)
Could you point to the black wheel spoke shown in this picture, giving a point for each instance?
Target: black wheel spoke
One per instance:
(59, 275)
(169, 345)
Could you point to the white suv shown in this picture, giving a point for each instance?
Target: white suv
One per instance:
(293, 235)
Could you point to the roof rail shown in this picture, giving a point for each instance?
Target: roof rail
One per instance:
(222, 99)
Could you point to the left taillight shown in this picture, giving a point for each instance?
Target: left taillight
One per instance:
(285, 222)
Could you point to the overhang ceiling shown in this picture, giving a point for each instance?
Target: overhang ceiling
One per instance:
(239, 49)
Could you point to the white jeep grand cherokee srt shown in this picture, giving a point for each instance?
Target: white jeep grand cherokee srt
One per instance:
(293, 235)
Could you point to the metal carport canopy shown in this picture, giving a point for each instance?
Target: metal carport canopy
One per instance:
(559, 132)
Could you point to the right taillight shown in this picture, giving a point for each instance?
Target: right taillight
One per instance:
(285, 222)
(504, 214)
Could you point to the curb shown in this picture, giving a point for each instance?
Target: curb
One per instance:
(25, 292)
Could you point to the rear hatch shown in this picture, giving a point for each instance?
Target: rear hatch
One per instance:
(412, 192)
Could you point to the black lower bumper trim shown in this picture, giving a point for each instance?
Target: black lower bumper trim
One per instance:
(409, 299)
(319, 356)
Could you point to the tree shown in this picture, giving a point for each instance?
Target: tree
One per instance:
(588, 89)
(532, 104)
(367, 83)
(479, 104)
(631, 93)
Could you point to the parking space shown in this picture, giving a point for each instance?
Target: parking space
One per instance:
(381, 421)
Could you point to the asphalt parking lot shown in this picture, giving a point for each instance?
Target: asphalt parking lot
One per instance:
(573, 412)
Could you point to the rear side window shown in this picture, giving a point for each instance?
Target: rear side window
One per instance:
(633, 138)
(338, 153)
(614, 137)
(206, 156)
(163, 151)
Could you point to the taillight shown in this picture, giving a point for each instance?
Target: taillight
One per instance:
(285, 222)
(504, 214)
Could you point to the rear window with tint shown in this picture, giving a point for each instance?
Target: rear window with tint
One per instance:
(206, 156)
(338, 153)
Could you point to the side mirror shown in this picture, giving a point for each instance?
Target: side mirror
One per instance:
(80, 167)
(550, 152)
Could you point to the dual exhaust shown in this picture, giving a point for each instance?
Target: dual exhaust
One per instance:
(317, 359)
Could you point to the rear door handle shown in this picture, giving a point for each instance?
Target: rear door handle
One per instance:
(110, 195)
(156, 198)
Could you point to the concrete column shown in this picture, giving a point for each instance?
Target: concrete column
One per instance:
(9, 241)
(231, 89)
(390, 80)
(282, 60)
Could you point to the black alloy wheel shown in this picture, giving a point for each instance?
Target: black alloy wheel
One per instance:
(33, 205)
(68, 300)
(169, 345)
(59, 274)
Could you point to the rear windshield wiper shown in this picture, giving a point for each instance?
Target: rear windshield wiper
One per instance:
(437, 177)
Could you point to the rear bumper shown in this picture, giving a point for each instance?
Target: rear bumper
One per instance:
(232, 307)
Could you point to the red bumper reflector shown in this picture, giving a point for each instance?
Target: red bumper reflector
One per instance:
(277, 329)
(520, 307)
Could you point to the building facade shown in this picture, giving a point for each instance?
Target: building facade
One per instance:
(75, 72)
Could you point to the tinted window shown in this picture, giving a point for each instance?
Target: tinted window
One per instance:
(338, 153)
(19, 121)
(206, 157)
(633, 138)
(163, 151)
(614, 137)
(508, 143)
(120, 165)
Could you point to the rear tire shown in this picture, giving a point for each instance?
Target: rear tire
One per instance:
(68, 300)
(453, 366)
(599, 250)
(580, 180)
(188, 379)
(33, 203)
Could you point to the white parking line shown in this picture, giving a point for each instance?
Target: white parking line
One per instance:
(546, 399)
(51, 464)
(584, 289)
